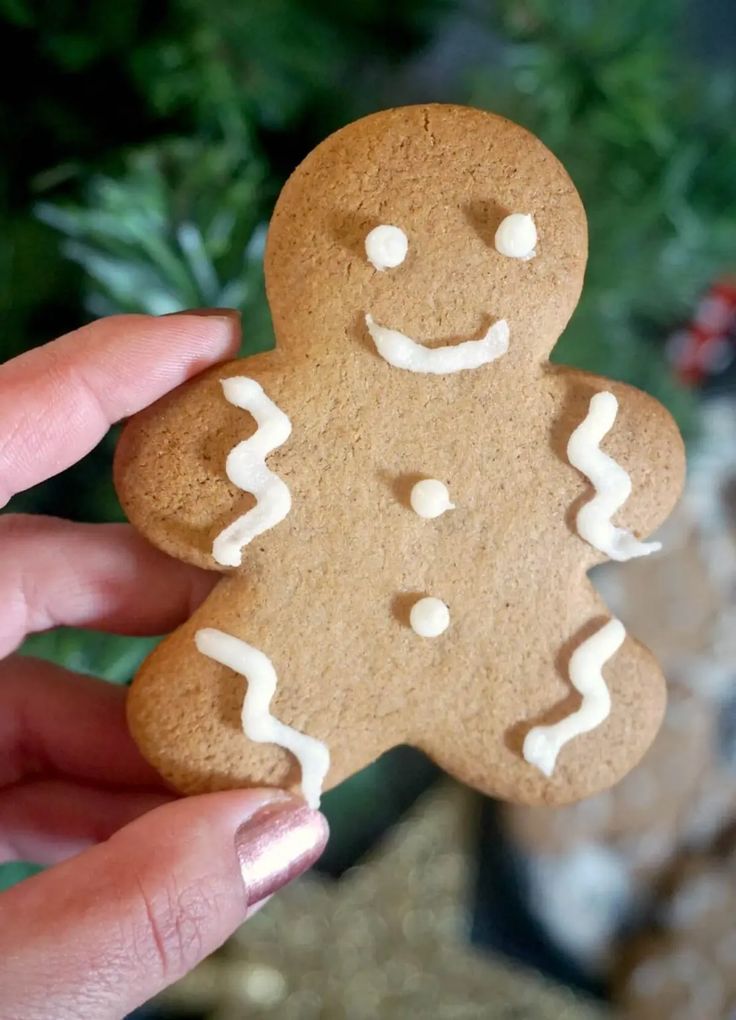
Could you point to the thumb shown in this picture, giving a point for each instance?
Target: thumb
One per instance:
(98, 935)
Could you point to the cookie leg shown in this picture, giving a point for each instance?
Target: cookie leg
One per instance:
(481, 738)
(212, 712)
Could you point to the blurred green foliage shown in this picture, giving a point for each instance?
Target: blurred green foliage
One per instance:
(177, 228)
(111, 656)
(648, 137)
(145, 145)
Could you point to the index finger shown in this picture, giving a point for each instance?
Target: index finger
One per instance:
(58, 401)
(55, 722)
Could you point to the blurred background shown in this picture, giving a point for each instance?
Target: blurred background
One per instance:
(144, 145)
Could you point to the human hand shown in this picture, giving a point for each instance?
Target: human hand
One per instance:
(156, 883)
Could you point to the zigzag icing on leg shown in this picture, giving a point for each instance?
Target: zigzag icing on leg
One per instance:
(543, 743)
(258, 723)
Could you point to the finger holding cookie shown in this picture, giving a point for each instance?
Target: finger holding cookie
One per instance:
(143, 884)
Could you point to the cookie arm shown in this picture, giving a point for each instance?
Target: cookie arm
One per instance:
(170, 462)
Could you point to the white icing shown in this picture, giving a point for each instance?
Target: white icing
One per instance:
(543, 743)
(430, 498)
(386, 246)
(429, 617)
(258, 723)
(246, 468)
(611, 483)
(516, 236)
(401, 351)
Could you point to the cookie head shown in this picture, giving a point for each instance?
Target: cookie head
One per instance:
(431, 222)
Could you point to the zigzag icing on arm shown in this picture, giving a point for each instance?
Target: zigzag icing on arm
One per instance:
(401, 351)
(543, 743)
(246, 468)
(258, 723)
(611, 483)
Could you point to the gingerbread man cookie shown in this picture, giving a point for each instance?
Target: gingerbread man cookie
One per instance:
(421, 264)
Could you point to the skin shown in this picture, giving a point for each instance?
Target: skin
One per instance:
(326, 594)
(143, 885)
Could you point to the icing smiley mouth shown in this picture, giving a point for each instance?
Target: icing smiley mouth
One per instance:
(401, 351)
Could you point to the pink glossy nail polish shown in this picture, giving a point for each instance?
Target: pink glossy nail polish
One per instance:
(278, 843)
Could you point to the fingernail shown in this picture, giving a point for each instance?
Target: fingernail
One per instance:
(231, 314)
(228, 317)
(276, 844)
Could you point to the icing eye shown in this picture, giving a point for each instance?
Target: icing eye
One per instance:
(386, 246)
(517, 236)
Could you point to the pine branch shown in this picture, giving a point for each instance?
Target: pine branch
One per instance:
(180, 228)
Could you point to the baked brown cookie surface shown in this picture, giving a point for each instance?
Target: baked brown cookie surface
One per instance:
(325, 597)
